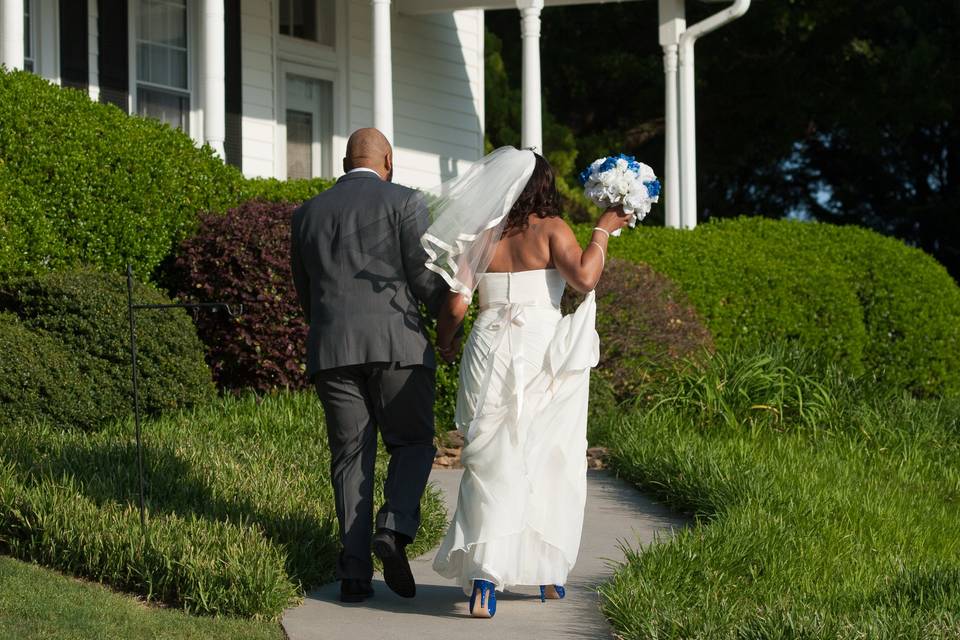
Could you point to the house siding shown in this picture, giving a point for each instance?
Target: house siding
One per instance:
(437, 76)
(437, 90)
(257, 78)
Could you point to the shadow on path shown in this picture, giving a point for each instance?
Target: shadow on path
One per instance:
(615, 513)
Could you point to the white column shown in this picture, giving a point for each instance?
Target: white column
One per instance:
(213, 75)
(672, 23)
(11, 34)
(531, 129)
(93, 48)
(382, 69)
(688, 138)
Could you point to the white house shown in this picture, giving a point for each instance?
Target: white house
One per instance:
(276, 86)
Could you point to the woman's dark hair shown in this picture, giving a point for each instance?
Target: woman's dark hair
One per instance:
(539, 196)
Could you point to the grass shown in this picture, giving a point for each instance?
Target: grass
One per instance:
(240, 507)
(38, 603)
(822, 509)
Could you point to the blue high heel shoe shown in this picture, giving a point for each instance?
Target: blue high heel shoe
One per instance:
(552, 591)
(487, 606)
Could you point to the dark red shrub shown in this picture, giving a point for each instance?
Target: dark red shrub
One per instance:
(645, 324)
(244, 256)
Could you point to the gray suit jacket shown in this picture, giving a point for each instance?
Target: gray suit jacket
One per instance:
(358, 268)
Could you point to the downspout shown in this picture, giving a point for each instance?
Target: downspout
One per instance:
(688, 120)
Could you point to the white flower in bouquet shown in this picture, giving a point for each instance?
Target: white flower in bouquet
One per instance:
(621, 180)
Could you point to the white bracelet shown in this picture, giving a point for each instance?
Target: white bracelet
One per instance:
(603, 256)
(603, 230)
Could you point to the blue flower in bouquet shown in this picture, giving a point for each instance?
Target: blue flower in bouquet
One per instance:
(653, 188)
(585, 175)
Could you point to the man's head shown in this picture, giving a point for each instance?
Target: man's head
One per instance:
(369, 148)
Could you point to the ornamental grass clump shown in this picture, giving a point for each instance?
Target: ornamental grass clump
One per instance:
(834, 518)
(240, 511)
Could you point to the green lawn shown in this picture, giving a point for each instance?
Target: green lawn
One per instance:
(823, 508)
(38, 603)
(240, 507)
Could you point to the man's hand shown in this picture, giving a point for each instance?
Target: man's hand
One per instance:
(450, 352)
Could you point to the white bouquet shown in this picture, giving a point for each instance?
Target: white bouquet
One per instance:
(621, 180)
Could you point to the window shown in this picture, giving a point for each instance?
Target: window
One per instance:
(308, 20)
(309, 118)
(29, 63)
(163, 87)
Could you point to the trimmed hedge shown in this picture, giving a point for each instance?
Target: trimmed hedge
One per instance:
(293, 191)
(244, 256)
(85, 183)
(82, 182)
(862, 300)
(40, 376)
(68, 333)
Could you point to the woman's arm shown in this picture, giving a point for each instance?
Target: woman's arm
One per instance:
(582, 268)
(452, 312)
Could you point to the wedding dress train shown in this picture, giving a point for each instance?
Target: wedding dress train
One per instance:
(522, 407)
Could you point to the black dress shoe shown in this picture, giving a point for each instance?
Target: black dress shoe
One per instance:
(355, 590)
(396, 570)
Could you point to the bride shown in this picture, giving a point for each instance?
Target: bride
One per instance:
(524, 376)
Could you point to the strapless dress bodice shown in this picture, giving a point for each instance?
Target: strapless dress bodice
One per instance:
(540, 287)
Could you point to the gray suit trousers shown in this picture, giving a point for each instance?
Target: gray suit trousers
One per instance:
(359, 399)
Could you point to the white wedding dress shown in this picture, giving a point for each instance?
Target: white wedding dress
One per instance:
(522, 407)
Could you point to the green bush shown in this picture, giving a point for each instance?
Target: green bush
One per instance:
(292, 191)
(85, 183)
(71, 340)
(40, 376)
(862, 300)
(82, 182)
(448, 375)
(823, 506)
(240, 508)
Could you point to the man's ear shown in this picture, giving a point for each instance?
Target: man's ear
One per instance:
(388, 162)
(346, 166)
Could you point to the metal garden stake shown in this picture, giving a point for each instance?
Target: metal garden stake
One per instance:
(131, 307)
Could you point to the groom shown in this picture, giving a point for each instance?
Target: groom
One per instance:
(358, 268)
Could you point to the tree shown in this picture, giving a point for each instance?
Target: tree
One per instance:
(843, 112)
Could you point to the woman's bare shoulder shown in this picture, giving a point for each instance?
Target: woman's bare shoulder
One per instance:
(556, 227)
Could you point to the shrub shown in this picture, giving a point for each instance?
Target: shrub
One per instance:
(273, 190)
(74, 324)
(244, 257)
(82, 182)
(241, 515)
(859, 299)
(40, 376)
(448, 374)
(645, 324)
(911, 305)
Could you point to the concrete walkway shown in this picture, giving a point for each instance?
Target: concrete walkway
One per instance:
(615, 512)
